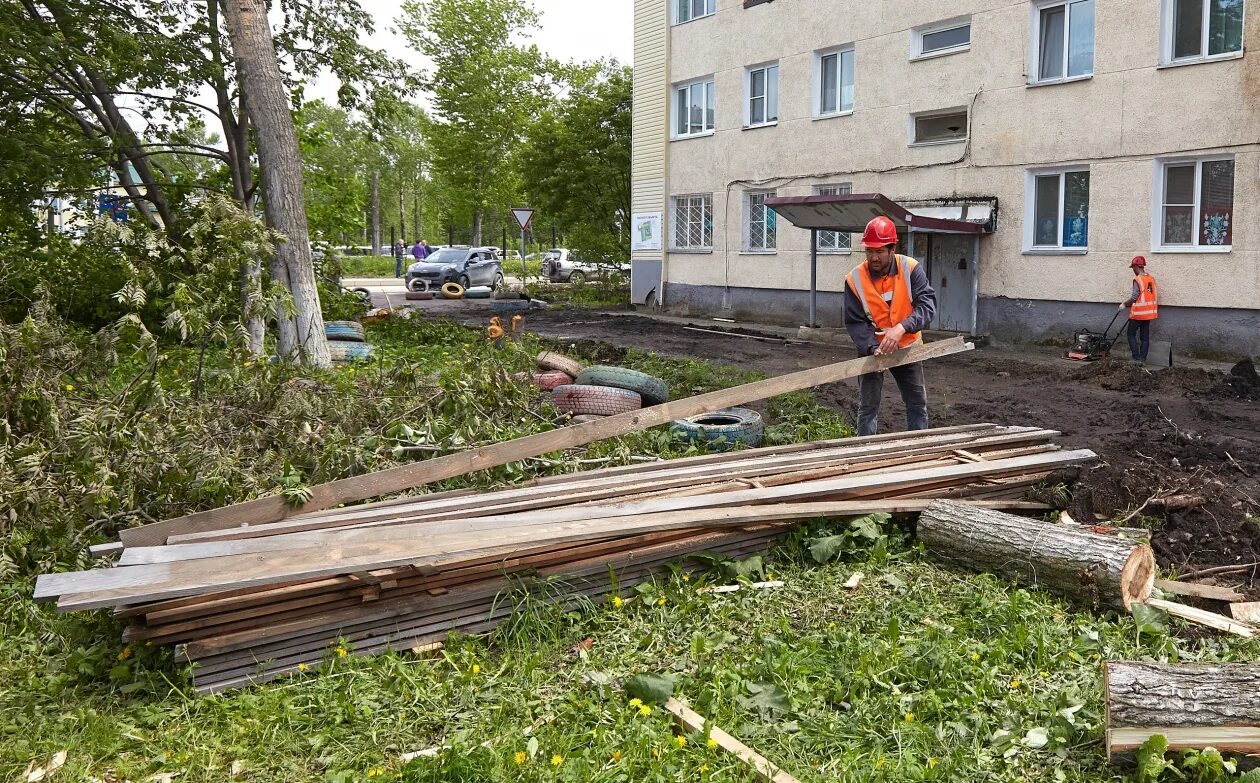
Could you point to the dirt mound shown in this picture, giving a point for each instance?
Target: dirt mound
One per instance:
(1242, 382)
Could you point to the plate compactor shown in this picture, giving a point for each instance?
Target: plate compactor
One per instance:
(1090, 346)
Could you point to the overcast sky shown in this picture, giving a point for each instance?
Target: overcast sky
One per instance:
(570, 30)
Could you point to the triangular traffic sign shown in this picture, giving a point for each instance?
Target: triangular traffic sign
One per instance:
(523, 216)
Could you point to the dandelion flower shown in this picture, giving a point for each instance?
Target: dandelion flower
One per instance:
(476, 668)
(704, 767)
(302, 667)
(520, 757)
(1015, 683)
(616, 756)
(880, 762)
(909, 716)
(617, 602)
(556, 759)
(931, 764)
(769, 576)
(711, 743)
(644, 709)
(660, 601)
(680, 740)
(371, 773)
(125, 653)
(636, 702)
(342, 652)
(69, 387)
(975, 656)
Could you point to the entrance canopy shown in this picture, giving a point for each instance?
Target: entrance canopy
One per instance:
(851, 213)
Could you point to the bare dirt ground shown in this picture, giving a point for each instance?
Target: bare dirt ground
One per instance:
(1192, 435)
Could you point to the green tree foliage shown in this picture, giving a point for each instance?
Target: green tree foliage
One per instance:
(576, 163)
(486, 84)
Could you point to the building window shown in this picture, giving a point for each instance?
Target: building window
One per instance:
(686, 10)
(834, 80)
(759, 223)
(693, 108)
(1063, 41)
(1196, 30)
(940, 127)
(761, 85)
(833, 241)
(1196, 204)
(941, 38)
(693, 222)
(1058, 210)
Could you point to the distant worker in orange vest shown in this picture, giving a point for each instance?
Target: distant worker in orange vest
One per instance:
(888, 301)
(1144, 308)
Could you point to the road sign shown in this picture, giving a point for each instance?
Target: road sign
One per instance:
(523, 216)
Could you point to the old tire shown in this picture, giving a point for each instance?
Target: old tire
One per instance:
(653, 390)
(551, 379)
(418, 284)
(509, 306)
(452, 291)
(721, 430)
(349, 331)
(549, 360)
(416, 296)
(595, 400)
(478, 292)
(347, 352)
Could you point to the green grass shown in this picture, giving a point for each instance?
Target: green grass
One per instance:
(371, 266)
(920, 674)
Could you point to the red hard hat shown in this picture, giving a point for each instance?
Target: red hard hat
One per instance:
(1138, 261)
(879, 232)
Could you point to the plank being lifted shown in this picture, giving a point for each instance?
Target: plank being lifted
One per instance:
(397, 479)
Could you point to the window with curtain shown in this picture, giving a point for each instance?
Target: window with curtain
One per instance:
(763, 95)
(1060, 210)
(1197, 203)
(1065, 41)
(835, 81)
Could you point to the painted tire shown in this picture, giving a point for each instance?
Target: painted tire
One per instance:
(347, 352)
(478, 292)
(416, 296)
(549, 360)
(418, 284)
(510, 306)
(351, 331)
(595, 400)
(653, 390)
(452, 291)
(551, 379)
(721, 430)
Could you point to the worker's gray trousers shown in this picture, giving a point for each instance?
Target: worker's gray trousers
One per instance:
(909, 378)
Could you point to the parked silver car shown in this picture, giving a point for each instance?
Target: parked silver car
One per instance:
(461, 264)
(561, 265)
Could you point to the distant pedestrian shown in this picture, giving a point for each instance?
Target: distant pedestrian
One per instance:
(888, 301)
(1144, 308)
(421, 250)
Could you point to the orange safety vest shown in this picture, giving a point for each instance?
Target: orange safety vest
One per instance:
(1146, 306)
(887, 301)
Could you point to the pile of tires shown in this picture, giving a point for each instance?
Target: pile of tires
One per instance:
(346, 342)
(554, 370)
(721, 430)
(586, 394)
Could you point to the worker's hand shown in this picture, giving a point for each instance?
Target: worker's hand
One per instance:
(1123, 305)
(891, 339)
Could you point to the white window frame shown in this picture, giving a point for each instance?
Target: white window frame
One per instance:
(747, 246)
(1157, 204)
(771, 70)
(834, 243)
(676, 6)
(706, 201)
(1168, 9)
(917, 34)
(708, 84)
(1034, 44)
(1030, 211)
(914, 126)
(819, 55)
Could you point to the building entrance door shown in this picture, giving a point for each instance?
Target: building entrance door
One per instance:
(951, 268)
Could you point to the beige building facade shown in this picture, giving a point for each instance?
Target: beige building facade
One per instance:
(1079, 133)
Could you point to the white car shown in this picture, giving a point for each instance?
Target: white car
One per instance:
(560, 265)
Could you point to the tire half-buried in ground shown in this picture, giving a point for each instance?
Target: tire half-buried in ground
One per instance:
(596, 400)
(721, 430)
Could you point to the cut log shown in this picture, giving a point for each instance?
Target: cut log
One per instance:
(1192, 705)
(1101, 571)
(1248, 611)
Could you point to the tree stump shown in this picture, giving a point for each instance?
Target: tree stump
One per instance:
(1098, 570)
(1195, 705)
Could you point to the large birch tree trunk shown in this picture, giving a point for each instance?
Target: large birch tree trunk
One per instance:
(1099, 570)
(376, 212)
(280, 170)
(1193, 705)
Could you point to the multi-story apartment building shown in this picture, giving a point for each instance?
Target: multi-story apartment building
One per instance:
(1070, 135)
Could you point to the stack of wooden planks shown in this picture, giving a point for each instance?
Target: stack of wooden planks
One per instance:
(250, 603)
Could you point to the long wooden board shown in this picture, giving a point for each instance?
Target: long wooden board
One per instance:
(693, 721)
(271, 508)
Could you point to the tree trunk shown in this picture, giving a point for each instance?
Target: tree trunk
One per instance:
(476, 231)
(376, 212)
(1192, 705)
(280, 168)
(1099, 570)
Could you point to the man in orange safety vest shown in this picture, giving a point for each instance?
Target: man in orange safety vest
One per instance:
(1143, 308)
(888, 301)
